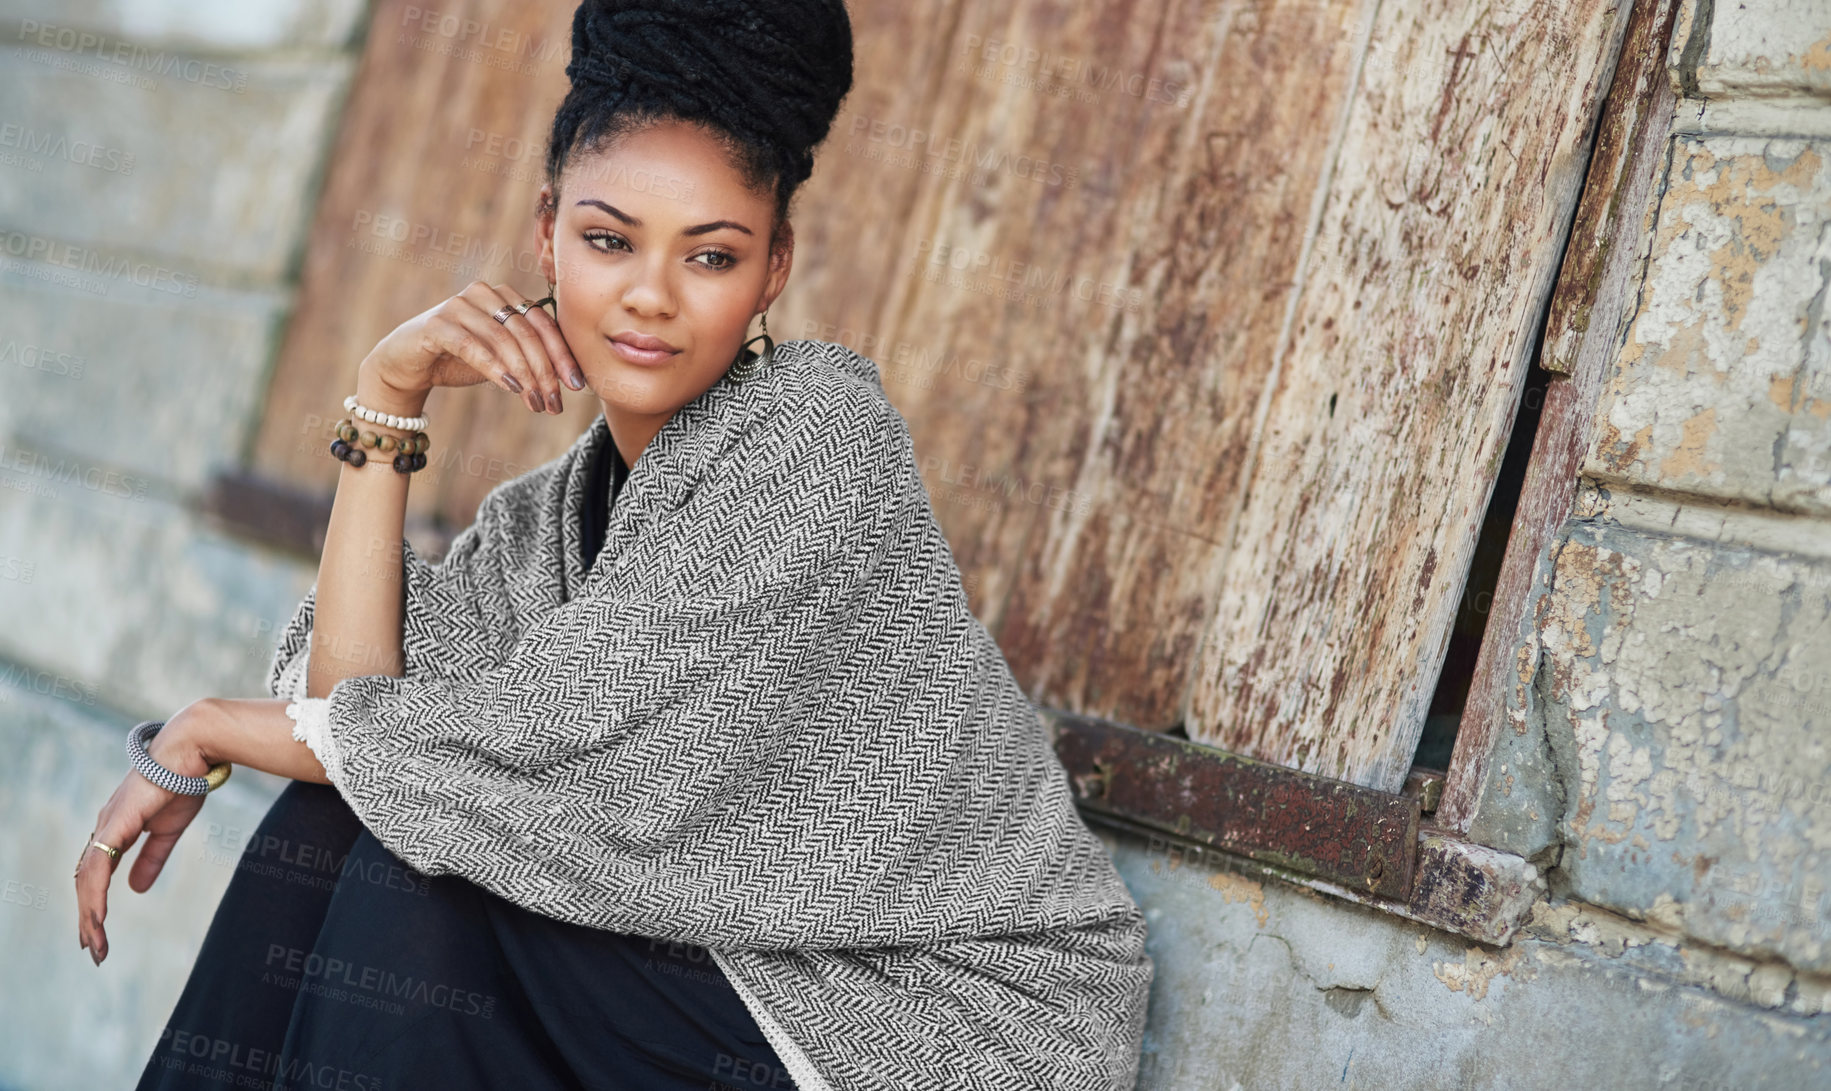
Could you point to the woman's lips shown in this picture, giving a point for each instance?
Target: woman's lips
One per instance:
(644, 357)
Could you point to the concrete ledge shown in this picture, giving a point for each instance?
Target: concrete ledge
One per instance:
(97, 376)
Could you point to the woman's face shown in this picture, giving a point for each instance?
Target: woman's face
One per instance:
(658, 238)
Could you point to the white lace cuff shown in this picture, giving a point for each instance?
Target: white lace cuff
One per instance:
(312, 726)
(311, 716)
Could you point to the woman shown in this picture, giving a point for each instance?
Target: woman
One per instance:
(688, 764)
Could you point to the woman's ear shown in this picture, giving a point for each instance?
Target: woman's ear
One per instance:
(781, 260)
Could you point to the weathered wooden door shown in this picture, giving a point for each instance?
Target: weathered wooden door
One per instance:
(1209, 317)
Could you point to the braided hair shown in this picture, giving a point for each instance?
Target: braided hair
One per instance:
(765, 77)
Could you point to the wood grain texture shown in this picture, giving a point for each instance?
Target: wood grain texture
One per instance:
(1109, 603)
(1082, 300)
(1594, 300)
(1442, 231)
(431, 185)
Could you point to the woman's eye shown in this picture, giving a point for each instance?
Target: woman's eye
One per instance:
(606, 236)
(720, 259)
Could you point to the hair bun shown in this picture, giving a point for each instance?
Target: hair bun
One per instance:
(773, 70)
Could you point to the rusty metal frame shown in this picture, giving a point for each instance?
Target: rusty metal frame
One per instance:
(1358, 838)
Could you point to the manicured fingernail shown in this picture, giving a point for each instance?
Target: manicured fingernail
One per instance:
(553, 402)
(509, 381)
(575, 381)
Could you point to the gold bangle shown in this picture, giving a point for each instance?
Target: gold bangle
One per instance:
(216, 776)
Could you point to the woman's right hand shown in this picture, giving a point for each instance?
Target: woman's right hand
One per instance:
(457, 343)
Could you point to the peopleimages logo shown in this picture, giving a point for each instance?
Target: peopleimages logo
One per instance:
(465, 31)
(964, 267)
(933, 153)
(83, 259)
(509, 156)
(236, 1064)
(39, 358)
(84, 153)
(372, 982)
(130, 56)
(398, 239)
(970, 485)
(69, 471)
(1059, 74)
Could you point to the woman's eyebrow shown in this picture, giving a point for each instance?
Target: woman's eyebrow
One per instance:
(701, 229)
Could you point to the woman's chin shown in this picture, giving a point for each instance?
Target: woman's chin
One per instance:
(647, 393)
(637, 389)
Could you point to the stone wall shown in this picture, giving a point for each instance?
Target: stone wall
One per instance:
(1687, 680)
(159, 162)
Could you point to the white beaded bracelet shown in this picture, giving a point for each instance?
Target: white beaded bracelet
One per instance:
(410, 424)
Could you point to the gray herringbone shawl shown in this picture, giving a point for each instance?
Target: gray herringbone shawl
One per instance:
(765, 722)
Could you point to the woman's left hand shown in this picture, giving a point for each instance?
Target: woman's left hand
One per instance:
(138, 806)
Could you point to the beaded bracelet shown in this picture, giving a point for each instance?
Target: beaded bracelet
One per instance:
(150, 768)
(376, 416)
(351, 440)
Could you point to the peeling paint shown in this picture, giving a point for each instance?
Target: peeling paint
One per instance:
(1478, 969)
(1783, 51)
(1238, 888)
(1689, 458)
(1684, 680)
(1726, 361)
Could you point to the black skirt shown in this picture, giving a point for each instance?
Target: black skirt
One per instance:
(332, 964)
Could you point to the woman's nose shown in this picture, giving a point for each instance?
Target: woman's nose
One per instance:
(650, 293)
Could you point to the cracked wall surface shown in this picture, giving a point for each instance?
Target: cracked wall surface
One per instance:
(1724, 386)
(1266, 985)
(1684, 646)
(1685, 684)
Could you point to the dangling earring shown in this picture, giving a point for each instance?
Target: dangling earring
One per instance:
(749, 365)
(549, 299)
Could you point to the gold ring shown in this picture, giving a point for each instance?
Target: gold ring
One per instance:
(113, 853)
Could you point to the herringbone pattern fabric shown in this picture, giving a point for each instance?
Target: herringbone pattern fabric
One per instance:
(765, 722)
